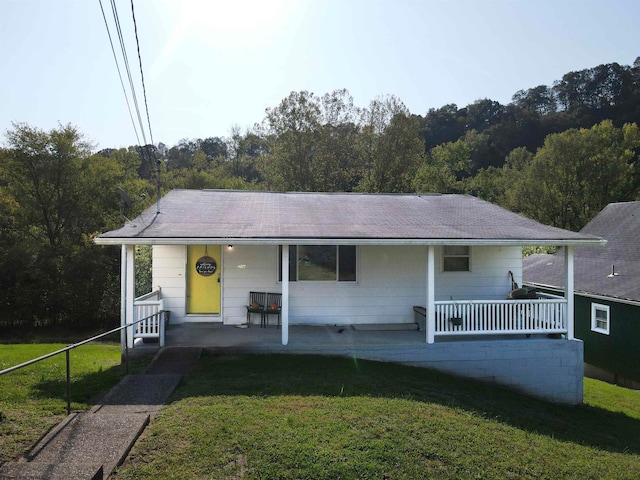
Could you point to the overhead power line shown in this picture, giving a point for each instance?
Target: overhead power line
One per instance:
(115, 58)
(116, 19)
(143, 150)
(144, 89)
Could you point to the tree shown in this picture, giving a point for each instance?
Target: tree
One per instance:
(293, 126)
(445, 169)
(214, 147)
(540, 99)
(337, 163)
(577, 173)
(390, 147)
(56, 196)
(442, 125)
(483, 113)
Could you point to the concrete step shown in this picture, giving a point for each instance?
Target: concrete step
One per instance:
(57, 471)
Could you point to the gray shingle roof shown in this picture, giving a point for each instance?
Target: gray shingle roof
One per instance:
(619, 224)
(252, 217)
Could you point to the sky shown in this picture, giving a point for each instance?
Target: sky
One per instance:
(211, 65)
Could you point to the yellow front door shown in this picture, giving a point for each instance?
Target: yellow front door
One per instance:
(203, 279)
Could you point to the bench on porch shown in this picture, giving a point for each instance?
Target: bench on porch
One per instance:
(264, 303)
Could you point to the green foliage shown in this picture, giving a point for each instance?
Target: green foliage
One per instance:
(143, 262)
(445, 169)
(526, 251)
(390, 147)
(55, 197)
(33, 399)
(577, 173)
(294, 125)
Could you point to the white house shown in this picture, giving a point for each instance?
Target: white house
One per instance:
(345, 259)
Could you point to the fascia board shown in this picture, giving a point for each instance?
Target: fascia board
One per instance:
(344, 241)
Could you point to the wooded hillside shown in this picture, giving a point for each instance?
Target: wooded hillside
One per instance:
(557, 154)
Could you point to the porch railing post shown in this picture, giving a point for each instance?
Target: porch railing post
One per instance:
(68, 383)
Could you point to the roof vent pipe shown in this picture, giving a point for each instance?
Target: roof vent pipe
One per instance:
(613, 272)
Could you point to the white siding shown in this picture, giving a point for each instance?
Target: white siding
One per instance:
(391, 280)
(169, 277)
(489, 276)
(246, 268)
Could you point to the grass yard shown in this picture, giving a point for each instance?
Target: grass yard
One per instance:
(34, 399)
(306, 417)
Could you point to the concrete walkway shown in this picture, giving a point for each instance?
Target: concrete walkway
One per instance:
(90, 445)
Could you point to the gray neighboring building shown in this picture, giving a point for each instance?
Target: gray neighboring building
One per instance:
(607, 292)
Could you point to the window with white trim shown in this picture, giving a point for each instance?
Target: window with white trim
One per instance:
(456, 258)
(600, 319)
(320, 263)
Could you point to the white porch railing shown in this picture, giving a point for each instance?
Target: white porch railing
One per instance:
(481, 317)
(150, 309)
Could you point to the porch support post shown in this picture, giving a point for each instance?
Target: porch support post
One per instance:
(130, 290)
(285, 294)
(568, 290)
(431, 297)
(123, 297)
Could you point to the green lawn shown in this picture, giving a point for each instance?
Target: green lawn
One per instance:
(305, 417)
(33, 399)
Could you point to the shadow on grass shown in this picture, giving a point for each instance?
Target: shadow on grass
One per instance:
(87, 388)
(275, 375)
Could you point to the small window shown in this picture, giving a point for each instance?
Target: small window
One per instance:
(456, 258)
(600, 318)
(320, 263)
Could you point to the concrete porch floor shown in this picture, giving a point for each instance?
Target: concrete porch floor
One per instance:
(314, 337)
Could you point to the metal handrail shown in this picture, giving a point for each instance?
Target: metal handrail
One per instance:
(67, 349)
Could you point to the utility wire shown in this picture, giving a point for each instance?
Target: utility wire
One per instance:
(116, 19)
(115, 58)
(143, 151)
(146, 106)
(144, 89)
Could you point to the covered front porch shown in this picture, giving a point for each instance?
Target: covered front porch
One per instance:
(429, 321)
(456, 320)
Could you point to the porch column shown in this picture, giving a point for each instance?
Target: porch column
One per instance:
(130, 279)
(431, 297)
(568, 289)
(123, 295)
(285, 294)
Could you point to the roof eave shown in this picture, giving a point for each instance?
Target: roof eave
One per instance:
(344, 241)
